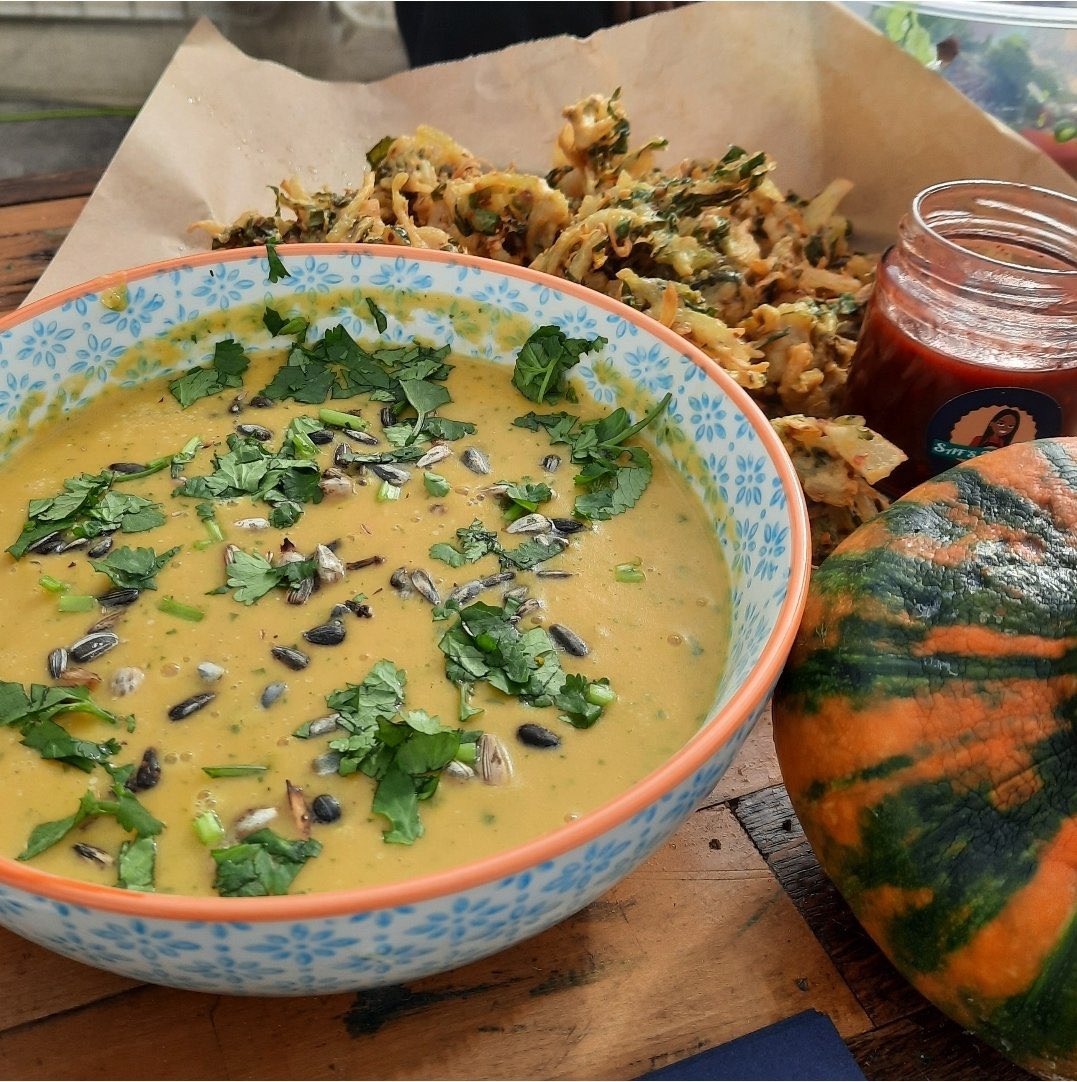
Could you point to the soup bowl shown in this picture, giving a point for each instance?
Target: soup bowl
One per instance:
(62, 351)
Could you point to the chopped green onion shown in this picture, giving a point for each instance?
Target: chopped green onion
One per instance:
(341, 420)
(208, 828)
(629, 572)
(54, 586)
(172, 607)
(600, 694)
(77, 603)
(436, 485)
(387, 493)
(237, 771)
(468, 753)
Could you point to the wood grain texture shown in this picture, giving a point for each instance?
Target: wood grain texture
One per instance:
(599, 996)
(30, 234)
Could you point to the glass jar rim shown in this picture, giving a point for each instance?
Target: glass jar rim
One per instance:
(999, 186)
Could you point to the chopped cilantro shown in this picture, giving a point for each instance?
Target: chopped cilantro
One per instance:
(485, 644)
(404, 752)
(88, 507)
(277, 269)
(134, 568)
(262, 864)
(543, 363)
(252, 576)
(136, 864)
(476, 541)
(612, 475)
(225, 370)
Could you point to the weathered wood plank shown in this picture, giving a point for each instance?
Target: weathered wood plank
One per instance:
(35, 983)
(30, 234)
(47, 186)
(599, 996)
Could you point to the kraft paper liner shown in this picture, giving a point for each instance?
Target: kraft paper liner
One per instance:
(810, 83)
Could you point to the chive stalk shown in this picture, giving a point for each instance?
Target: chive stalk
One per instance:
(336, 419)
(629, 572)
(387, 493)
(77, 603)
(171, 607)
(208, 828)
(53, 586)
(235, 771)
(600, 694)
(468, 753)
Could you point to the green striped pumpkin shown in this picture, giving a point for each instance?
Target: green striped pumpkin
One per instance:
(925, 728)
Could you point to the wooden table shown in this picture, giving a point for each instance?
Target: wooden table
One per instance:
(731, 927)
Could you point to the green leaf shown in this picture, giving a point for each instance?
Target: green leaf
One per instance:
(543, 363)
(46, 835)
(436, 485)
(397, 800)
(52, 741)
(136, 864)
(277, 269)
(135, 569)
(263, 864)
(376, 154)
(226, 370)
(378, 315)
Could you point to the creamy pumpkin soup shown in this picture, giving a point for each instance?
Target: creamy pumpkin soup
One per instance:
(322, 615)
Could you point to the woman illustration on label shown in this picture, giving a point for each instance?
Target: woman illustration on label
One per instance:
(1000, 430)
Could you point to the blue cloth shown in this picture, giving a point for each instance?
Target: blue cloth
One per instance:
(806, 1046)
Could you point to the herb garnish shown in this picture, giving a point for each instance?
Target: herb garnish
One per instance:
(125, 809)
(135, 569)
(262, 864)
(543, 362)
(136, 864)
(485, 644)
(88, 507)
(612, 475)
(521, 498)
(249, 469)
(404, 752)
(277, 269)
(252, 576)
(476, 541)
(225, 371)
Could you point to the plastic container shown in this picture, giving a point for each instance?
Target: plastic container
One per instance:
(970, 338)
(1017, 61)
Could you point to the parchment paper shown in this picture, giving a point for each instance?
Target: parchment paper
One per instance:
(811, 84)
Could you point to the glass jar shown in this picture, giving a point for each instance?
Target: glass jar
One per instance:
(970, 337)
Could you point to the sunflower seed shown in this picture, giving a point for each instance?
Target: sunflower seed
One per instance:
(550, 463)
(328, 634)
(321, 726)
(436, 454)
(567, 525)
(210, 671)
(101, 547)
(329, 566)
(460, 771)
(359, 436)
(424, 585)
(94, 855)
(57, 662)
(495, 766)
(127, 467)
(272, 693)
(260, 402)
(148, 773)
(393, 474)
(251, 524)
(190, 706)
(255, 432)
(535, 736)
(326, 764)
(475, 460)
(91, 647)
(115, 599)
(568, 640)
(321, 436)
(296, 660)
(326, 808)
(127, 680)
(253, 820)
(534, 523)
(79, 678)
(47, 544)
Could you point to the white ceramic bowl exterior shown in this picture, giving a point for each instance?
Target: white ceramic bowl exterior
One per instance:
(364, 938)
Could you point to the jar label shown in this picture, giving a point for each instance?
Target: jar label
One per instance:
(979, 421)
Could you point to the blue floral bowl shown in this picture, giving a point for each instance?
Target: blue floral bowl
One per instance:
(60, 352)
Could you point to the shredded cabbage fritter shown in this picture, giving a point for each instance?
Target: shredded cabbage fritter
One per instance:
(764, 283)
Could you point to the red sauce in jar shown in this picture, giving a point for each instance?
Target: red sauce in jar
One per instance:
(970, 338)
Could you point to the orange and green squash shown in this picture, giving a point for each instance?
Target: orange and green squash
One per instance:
(925, 729)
